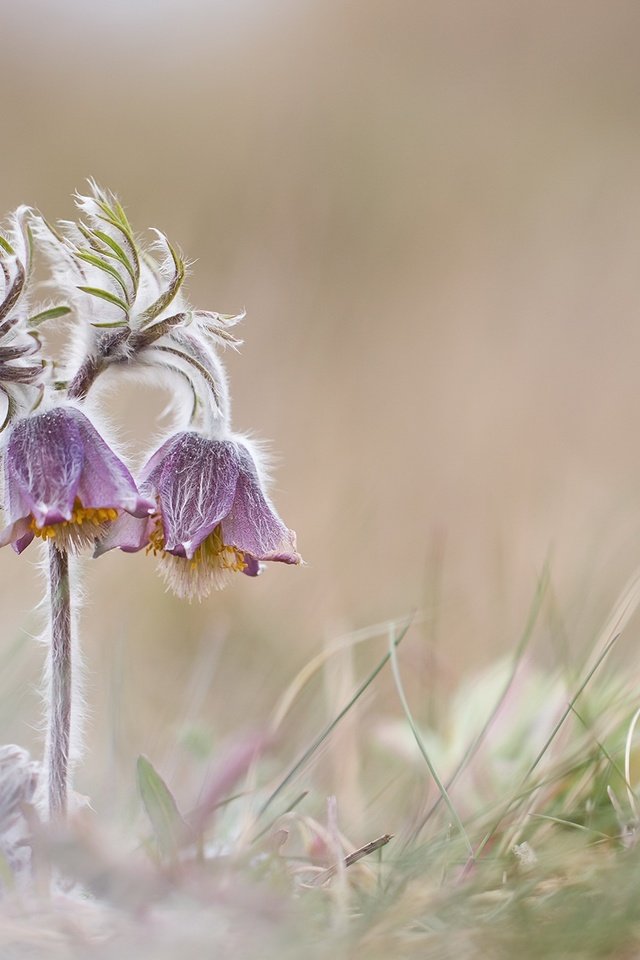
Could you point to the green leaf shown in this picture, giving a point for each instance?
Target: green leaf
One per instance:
(121, 215)
(168, 825)
(117, 251)
(100, 264)
(51, 314)
(166, 298)
(106, 295)
(109, 218)
(6, 246)
(108, 324)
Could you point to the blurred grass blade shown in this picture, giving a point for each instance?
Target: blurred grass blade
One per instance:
(232, 765)
(168, 826)
(292, 806)
(421, 747)
(319, 740)
(571, 823)
(472, 749)
(303, 677)
(569, 709)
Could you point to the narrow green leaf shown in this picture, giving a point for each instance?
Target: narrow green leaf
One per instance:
(51, 314)
(117, 251)
(6, 246)
(108, 325)
(106, 295)
(121, 215)
(28, 236)
(106, 267)
(169, 294)
(168, 826)
(107, 218)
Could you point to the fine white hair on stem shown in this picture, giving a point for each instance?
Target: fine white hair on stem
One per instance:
(75, 749)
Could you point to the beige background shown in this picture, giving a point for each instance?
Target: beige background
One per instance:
(431, 212)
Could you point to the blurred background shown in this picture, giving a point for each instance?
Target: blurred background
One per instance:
(431, 213)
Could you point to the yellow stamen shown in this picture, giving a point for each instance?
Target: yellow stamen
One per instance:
(80, 515)
(212, 559)
(156, 537)
(214, 550)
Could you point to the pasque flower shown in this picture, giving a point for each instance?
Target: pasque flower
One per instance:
(213, 517)
(62, 482)
(201, 508)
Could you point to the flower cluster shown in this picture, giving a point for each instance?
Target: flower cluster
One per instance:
(200, 505)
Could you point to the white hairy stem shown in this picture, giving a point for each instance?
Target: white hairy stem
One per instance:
(60, 685)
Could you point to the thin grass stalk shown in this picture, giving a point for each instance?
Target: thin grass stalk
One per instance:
(59, 716)
(319, 740)
(532, 618)
(455, 817)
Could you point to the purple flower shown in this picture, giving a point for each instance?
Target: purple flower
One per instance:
(62, 482)
(213, 517)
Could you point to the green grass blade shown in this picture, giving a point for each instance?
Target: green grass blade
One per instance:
(420, 744)
(523, 643)
(319, 740)
(569, 708)
(292, 806)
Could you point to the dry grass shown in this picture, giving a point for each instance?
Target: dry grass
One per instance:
(533, 850)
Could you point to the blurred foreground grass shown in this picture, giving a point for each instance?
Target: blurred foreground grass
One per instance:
(527, 845)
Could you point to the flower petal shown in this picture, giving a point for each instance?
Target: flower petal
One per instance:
(43, 465)
(252, 524)
(105, 481)
(195, 484)
(18, 534)
(128, 533)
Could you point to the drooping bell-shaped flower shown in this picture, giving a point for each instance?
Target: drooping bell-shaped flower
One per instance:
(62, 482)
(213, 517)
